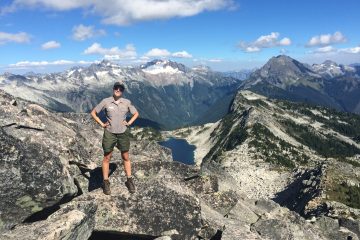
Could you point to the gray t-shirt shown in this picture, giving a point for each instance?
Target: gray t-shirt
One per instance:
(116, 113)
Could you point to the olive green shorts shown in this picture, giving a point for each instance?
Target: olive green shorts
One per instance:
(120, 140)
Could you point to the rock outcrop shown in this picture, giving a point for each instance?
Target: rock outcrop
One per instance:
(49, 159)
(34, 174)
(72, 221)
(51, 189)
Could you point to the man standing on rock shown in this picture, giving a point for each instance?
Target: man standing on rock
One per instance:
(116, 132)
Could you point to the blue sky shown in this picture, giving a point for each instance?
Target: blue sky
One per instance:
(52, 35)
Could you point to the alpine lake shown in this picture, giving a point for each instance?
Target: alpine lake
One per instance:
(182, 151)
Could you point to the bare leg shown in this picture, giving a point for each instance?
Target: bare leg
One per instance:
(105, 165)
(127, 164)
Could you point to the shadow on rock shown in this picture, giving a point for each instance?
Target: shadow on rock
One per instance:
(297, 195)
(95, 179)
(113, 235)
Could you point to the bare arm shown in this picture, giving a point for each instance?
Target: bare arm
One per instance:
(133, 118)
(97, 119)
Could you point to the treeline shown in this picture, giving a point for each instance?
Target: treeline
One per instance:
(271, 148)
(347, 124)
(348, 195)
(327, 145)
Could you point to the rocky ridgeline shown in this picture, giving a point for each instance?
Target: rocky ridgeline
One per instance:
(50, 184)
(303, 157)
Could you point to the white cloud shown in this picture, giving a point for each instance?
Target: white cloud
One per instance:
(284, 51)
(330, 49)
(326, 39)
(123, 12)
(354, 50)
(43, 65)
(114, 53)
(181, 54)
(326, 49)
(162, 53)
(215, 60)
(157, 52)
(20, 37)
(40, 63)
(285, 42)
(265, 41)
(251, 49)
(81, 32)
(50, 45)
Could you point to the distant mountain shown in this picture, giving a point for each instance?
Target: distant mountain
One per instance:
(241, 75)
(327, 84)
(330, 69)
(165, 92)
(355, 65)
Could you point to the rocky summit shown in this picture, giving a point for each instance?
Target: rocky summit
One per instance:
(51, 183)
(327, 84)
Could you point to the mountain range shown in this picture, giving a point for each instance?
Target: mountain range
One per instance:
(167, 94)
(268, 169)
(327, 84)
(170, 95)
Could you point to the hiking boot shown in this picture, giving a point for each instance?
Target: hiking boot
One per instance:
(106, 187)
(130, 185)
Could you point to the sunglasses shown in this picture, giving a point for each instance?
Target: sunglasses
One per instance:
(118, 89)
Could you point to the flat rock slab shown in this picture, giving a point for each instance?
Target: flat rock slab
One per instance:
(154, 208)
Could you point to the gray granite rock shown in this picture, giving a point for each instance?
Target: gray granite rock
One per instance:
(31, 179)
(71, 222)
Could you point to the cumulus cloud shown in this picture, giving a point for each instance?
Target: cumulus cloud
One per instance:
(123, 12)
(50, 45)
(265, 41)
(157, 52)
(326, 39)
(285, 42)
(181, 54)
(81, 32)
(20, 37)
(114, 53)
(163, 53)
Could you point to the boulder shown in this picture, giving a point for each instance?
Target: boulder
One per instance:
(71, 222)
(31, 179)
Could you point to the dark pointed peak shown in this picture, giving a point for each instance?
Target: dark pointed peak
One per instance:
(329, 63)
(281, 59)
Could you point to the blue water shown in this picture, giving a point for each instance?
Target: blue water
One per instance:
(182, 151)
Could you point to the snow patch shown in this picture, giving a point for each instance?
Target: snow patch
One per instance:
(158, 69)
(252, 96)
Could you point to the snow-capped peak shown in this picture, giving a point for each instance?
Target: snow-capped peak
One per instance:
(331, 69)
(158, 66)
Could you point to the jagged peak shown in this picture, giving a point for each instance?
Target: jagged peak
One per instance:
(163, 65)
